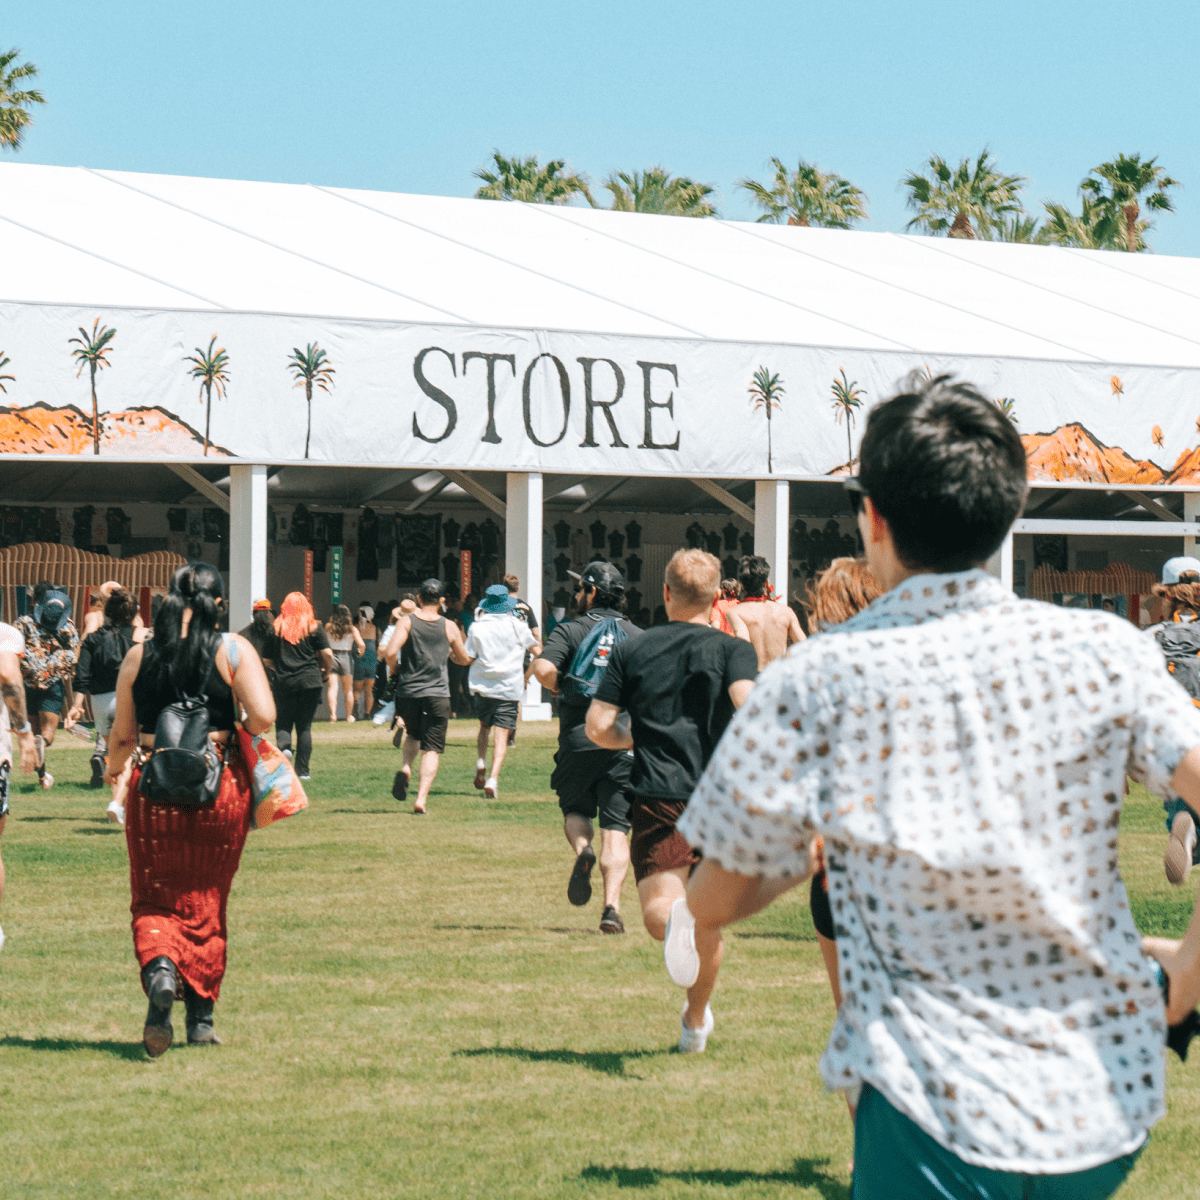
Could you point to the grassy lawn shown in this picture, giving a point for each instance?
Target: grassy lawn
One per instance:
(412, 1008)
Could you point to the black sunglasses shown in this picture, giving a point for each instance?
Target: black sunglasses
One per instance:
(855, 493)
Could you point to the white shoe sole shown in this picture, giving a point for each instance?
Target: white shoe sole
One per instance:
(679, 945)
(491, 789)
(116, 814)
(693, 1041)
(1177, 861)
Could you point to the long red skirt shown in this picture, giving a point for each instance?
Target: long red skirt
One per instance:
(181, 866)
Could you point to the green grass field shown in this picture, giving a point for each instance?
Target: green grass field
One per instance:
(413, 1009)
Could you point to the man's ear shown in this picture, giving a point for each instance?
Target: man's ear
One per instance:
(877, 526)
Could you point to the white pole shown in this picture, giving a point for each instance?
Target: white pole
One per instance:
(771, 514)
(247, 542)
(1191, 509)
(523, 558)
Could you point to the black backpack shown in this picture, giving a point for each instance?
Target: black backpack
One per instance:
(1180, 644)
(186, 766)
(591, 660)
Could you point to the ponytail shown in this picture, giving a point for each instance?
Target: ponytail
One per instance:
(183, 664)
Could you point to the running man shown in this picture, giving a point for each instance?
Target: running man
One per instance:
(496, 649)
(51, 651)
(589, 780)
(680, 684)
(772, 626)
(12, 716)
(422, 645)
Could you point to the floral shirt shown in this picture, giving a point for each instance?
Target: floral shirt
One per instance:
(47, 660)
(11, 642)
(963, 754)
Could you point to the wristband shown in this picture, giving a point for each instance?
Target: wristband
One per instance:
(27, 728)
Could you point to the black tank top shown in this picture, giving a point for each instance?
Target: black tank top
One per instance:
(149, 700)
(423, 660)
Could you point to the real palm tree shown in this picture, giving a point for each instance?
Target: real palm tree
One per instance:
(1086, 230)
(658, 191)
(15, 100)
(311, 368)
(847, 397)
(211, 367)
(1117, 186)
(948, 199)
(1019, 228)
(527, 180)
(807, 196)
(4, 361)
(765, 392)
(93, 354)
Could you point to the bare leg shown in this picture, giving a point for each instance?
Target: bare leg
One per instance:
(830, 955)
(48, 722)
(368, 696)
(499, 750)
(348, 696)
(579, 832)
(3, 822)
(331, 696)
(614, 864)
(657, 894)
(429, 770)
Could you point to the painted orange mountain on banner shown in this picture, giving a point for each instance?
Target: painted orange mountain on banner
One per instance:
(40, 429)
(1187, 468)
(1071, 452)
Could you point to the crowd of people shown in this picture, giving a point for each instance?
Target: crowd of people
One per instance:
(942, 762)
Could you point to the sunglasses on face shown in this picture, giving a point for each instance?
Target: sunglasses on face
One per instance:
(855, 493)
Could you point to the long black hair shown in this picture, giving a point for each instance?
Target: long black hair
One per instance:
(183, 663)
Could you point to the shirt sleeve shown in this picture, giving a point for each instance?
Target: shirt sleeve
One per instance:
(612, 686)
(319, 639)
(756, 807)
(1164, 721)
(557, 650)
(472, 643)
(741, 662)
(527, 636)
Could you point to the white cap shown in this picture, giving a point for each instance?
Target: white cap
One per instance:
(1173, 568)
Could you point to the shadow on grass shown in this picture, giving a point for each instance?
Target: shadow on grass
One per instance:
(132, 1051)
(780, 937)
(606, 1062)
(482, 928)
(804, 1173)
(105, 830)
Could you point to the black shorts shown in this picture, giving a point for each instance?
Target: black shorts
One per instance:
(500, 714)
(594, 781)
(50, 700)
(426, 718)
(818, 901)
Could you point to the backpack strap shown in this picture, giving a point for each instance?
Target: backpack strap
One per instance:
(232, 652)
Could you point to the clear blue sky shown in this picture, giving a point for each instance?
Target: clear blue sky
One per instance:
(411, 97)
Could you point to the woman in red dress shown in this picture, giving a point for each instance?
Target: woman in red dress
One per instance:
(182, 860)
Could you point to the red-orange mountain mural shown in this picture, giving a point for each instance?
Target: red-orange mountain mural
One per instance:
(1187, 468)
(1071, 452)
(40, 429)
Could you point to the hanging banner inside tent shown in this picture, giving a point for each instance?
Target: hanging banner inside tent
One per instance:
(335, 574)
(308, 575)
(371, 393)
(464, 573)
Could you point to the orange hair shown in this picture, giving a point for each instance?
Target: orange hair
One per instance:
(296, 618)
(844, 588)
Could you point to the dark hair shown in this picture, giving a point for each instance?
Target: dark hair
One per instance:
(183, 664)
(431, 589)
(946, 470)
(613, 598)
(40, 589)
(263, 620)
(753, 573)
(121, 607)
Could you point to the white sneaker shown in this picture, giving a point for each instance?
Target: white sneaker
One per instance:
(491, 788)
(1, 939)
(679, 946)
(46, 780)
(116, 813)
(1178, 859)
(693, 1041)
(287, 754)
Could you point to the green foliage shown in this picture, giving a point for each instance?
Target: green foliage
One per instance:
(1087, 230)
(310, 368)
(93, 353)
(1116, 187)
(211, 367)
(847, 399)
(15, 100)
(657, 191)
(807, 196)
(1018, 228)
(4, 361)
(765, 391)
(525, 179)
(963, 201)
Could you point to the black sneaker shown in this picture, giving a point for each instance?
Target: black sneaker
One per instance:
(611, 921)
(579, 886)
(400, 786)
(97, 780)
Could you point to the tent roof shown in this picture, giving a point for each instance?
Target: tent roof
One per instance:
(115, 239)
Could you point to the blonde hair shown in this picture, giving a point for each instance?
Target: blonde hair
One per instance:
(1184, 594)
(694, 577)
(844, 588)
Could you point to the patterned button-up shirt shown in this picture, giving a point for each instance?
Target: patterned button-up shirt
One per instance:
(964, 754)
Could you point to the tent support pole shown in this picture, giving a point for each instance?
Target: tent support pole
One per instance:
(523, 558)
(771, 515)
(247, 542)
(1191, 512)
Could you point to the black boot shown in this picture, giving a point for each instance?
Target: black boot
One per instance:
(199, 1018)
(161, 981)
(97, 771)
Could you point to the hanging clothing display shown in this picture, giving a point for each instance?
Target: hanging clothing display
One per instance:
(562, 534)
(598, 530)
(366, 563)
(616, 543)
(730, 534)
(450, 532)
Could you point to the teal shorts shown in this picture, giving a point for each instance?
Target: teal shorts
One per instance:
(895, 1159)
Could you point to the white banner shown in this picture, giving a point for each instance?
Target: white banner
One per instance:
(470, 398)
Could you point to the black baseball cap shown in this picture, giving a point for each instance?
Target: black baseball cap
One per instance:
(432, 589)
(602, 576)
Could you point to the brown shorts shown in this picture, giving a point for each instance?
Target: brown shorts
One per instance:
(654, 845)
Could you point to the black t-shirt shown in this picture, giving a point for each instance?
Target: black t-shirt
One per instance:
(297, 667)
(674, 682)
(560, 649)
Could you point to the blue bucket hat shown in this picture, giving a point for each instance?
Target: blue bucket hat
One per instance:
(54, 610)
(497, 600)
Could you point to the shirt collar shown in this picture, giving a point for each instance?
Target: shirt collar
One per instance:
(928, 597)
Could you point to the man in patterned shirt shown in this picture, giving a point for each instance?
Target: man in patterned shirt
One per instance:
(963, 753)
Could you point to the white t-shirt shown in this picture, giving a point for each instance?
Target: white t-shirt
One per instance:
(497, 642)
(11, 642)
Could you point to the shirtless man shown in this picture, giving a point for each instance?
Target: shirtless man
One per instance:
(773, 626)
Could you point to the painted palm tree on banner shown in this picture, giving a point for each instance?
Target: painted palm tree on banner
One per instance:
(211, 367)
(1116, 187)
(847, 398)
(15, 100)
(964, 201)
(807, 196)
(527, 180)
(311, 368)
(765, 392)
(4, 361)
(93, 353)
(658, 191)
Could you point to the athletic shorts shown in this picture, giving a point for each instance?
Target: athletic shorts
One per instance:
(818, 901)
(594, 781)
(426, 718)
(501, 714)
(40, 700)
(655, 844)
(104, 712)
